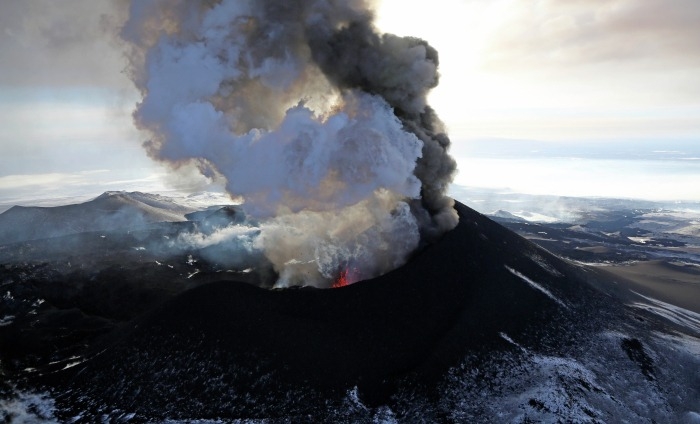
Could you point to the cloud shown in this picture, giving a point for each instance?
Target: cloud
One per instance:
(66, 43)
(654, 34)
(57, 188)
(24, 181)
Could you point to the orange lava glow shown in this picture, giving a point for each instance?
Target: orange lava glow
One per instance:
(342, 280)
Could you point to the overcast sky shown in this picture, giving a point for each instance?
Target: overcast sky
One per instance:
(562, 69)
(553, 70)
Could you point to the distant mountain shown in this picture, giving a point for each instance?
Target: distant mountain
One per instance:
(481, 326)
(110, 211)
(507, 216)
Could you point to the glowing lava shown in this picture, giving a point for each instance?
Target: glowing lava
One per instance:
(343, 280)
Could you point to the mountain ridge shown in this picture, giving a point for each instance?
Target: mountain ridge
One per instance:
(109, 211)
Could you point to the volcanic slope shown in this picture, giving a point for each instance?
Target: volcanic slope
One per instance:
(110, 211)
(480, 326)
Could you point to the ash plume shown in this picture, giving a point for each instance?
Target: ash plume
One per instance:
(308, 113)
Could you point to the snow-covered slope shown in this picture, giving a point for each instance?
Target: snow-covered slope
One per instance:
(109, 211)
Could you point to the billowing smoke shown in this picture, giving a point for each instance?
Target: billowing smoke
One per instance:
(315, 120)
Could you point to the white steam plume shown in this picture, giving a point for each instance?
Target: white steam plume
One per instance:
(319, 123)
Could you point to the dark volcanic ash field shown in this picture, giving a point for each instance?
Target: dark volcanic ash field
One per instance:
(480, 326)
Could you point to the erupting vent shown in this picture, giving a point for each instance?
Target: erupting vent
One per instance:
(319, 123)
(342, 280)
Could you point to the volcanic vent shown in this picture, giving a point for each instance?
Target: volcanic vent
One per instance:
(313, 118)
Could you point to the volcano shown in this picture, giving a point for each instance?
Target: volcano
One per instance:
(479, 326)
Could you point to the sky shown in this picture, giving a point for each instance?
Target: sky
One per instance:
(590, 74)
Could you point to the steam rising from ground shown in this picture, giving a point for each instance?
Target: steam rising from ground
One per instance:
(315, 120)
(315, 247)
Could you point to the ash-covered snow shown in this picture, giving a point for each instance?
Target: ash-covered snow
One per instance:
(28, 408)
(542, 262)
(675, 314)
(593, 383)
(598, 381)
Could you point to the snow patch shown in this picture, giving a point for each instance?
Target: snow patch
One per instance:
(539, 260)
(692, 417)
(380, 415)
(690, 345)
(535, 217)
(675, 314)
(28, 408)
(521, 389)
(537, 287)
(7, 320)
(505, 337)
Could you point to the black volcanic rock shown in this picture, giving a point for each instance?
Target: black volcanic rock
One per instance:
(481, 324)
(454, 297)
